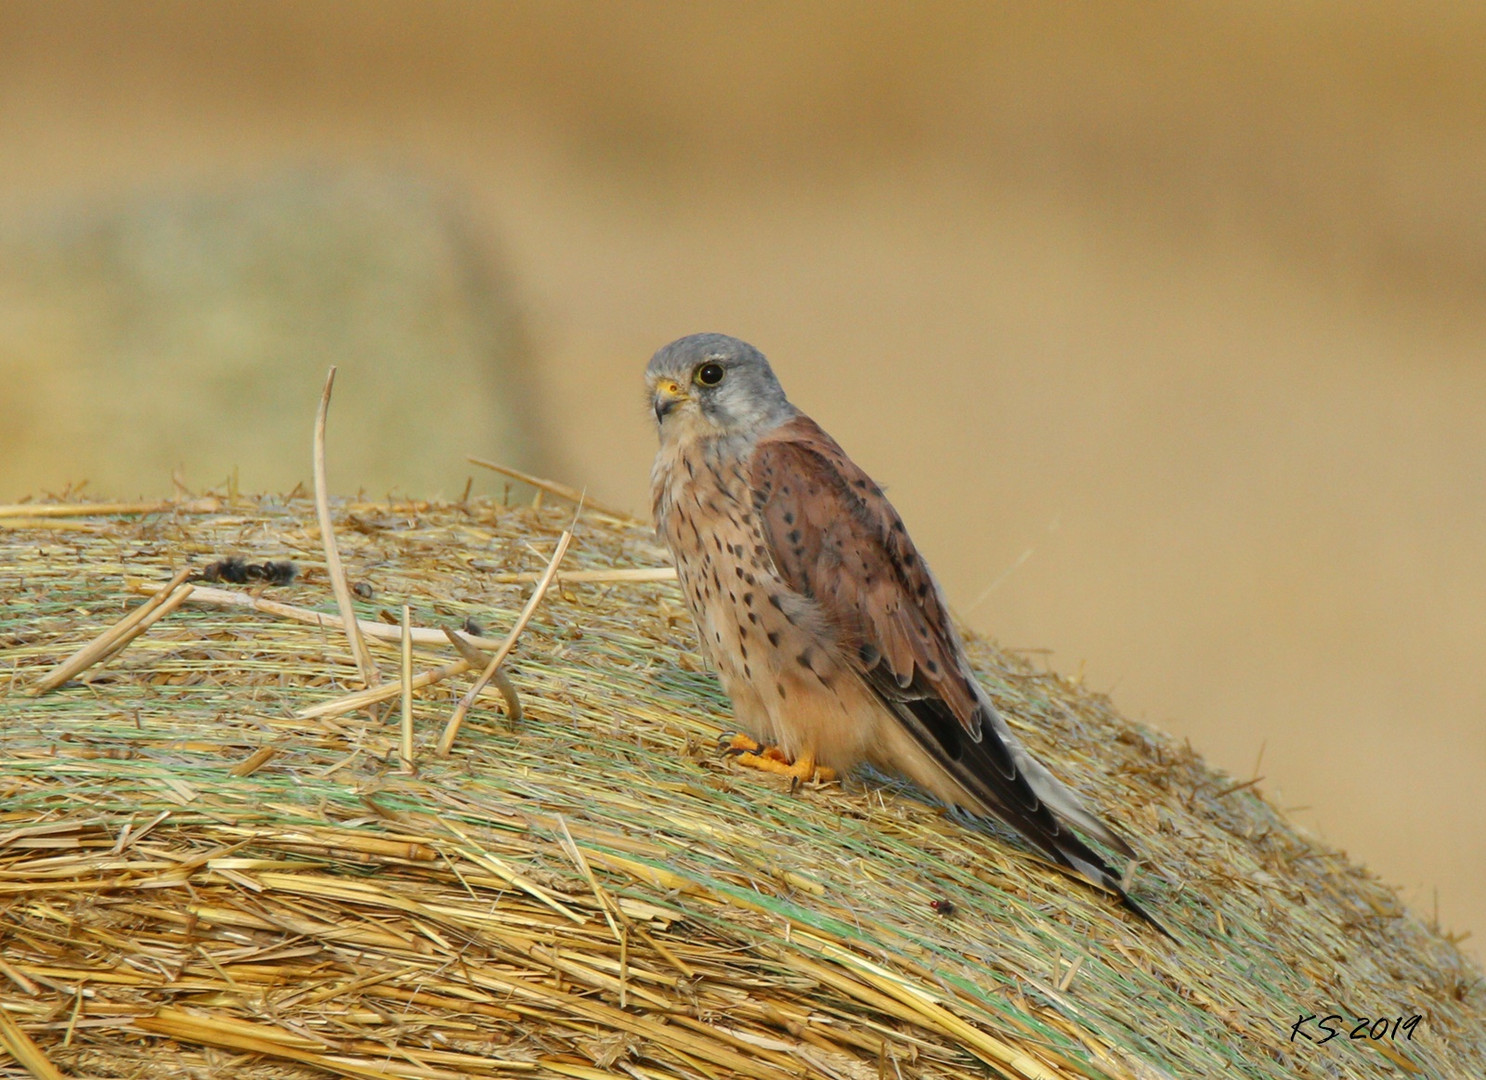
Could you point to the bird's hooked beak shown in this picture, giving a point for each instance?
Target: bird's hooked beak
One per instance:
(668, 394)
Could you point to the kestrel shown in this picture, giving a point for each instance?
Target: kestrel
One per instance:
(827, 629)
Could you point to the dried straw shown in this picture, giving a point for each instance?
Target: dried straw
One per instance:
(196, 878)
(451, 730)
(365, 664)
(552, 487)
(117, 637)
(52, 511)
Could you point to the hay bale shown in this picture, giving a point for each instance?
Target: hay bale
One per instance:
(165, 330)
(194, 881)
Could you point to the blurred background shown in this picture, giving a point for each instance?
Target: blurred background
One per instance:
(1164, 324)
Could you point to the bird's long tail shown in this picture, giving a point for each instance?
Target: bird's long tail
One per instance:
(993, 776)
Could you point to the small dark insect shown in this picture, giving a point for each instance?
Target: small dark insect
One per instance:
(235, 570)
(363, 590)
(943, 907)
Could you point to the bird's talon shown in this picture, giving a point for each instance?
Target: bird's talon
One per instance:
(734, 742)
(772, 759)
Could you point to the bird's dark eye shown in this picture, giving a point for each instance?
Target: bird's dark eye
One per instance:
(709, 374)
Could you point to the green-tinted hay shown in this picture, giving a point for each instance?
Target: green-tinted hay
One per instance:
(801, 923)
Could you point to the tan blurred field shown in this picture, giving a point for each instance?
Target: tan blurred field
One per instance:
(1165, 325)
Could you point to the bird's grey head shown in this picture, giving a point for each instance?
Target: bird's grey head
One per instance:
(714, 385)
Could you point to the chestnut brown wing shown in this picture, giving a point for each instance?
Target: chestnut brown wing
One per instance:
(835, 538)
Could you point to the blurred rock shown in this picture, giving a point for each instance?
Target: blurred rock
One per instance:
(192, 331)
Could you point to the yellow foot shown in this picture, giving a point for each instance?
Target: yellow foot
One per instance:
(756, 755)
